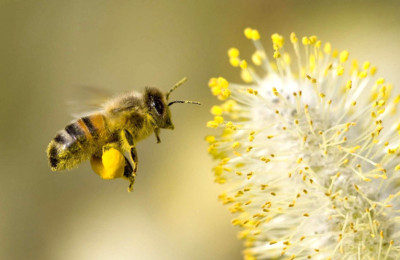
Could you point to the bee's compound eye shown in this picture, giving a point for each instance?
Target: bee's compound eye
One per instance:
(158, 105)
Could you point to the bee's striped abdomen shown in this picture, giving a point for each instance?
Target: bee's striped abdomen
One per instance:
(75, 142)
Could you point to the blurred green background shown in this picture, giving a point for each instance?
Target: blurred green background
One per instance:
(49, 48)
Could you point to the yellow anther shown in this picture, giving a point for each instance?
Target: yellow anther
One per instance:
(366, 65)
(286, 58)
(224, 94)
(305, 41)
(313, 39)
(275, 91)
(355, 148)
(243, 64)
(229, 124)
(233, 53)
(397, 167)
(210, 139)
(354, 66)
(318, 44)
(344, 55)
(252, 91)
(257, 58)
(362, 74)
(218, 170)
(335, 53)
(228, 105)
(246, 76)
(225, 160)
(222, 82)
(248, 33)
(228, 169)
(234, 61)
(327, 48)
(293, 38)
(314, 80)
(216, 110)
(299, 160)
(236, 222)
(396, 101)
(255, 35)
(212, 82)
(348, 84)
(212, 124)
(216, 90)
(339, 70)
(249, 256)
(276, 54)
(277, 40)
(218, 119)
(380, 81)
(373, 70)
(251, 138)
(235, 145)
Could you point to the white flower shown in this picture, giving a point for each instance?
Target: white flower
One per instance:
(308, 154)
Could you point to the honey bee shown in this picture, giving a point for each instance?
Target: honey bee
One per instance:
(104, 136)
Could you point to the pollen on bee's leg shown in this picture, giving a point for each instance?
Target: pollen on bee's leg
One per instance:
(110, 166)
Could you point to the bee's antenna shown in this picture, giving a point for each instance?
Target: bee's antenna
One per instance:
(175, 87)
(184, 102)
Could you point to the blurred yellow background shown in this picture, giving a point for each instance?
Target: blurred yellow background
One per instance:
(49, 48)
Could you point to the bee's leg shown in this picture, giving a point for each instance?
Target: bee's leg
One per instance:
(129, 174)
(128, 138)
(157, 132)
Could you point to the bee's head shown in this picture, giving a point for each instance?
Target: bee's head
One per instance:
(156, 104)
(158, 107)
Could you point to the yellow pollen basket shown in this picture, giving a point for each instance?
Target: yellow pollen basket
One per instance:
(111, 165)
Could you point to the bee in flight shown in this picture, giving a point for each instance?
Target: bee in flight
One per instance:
(104, 136)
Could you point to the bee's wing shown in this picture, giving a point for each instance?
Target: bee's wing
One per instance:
(88, 99)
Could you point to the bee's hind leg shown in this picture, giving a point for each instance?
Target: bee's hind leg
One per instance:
(130, 172)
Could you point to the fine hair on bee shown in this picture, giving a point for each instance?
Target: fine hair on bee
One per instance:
(103, 137)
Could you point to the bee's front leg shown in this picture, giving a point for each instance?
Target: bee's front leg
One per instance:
(130, 172)
(157, 133)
